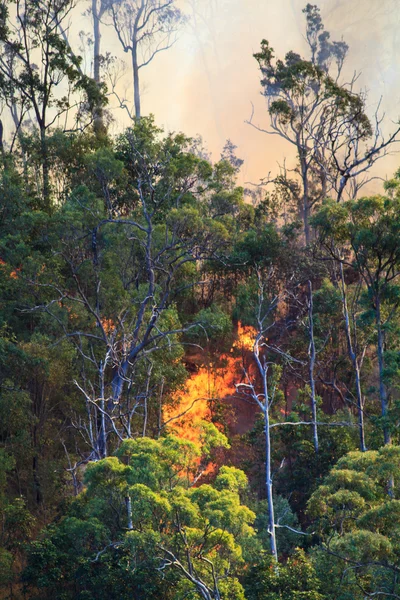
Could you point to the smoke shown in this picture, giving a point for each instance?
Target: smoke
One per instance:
(207, 83)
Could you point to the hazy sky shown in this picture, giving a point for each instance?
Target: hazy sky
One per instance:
(206, 83)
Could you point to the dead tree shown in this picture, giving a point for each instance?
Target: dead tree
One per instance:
(144, 29)
(348, 144)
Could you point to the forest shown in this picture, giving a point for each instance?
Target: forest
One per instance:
(199, 377)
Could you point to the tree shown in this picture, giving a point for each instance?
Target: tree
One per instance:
(141, 520)
(262, 386)
(358, 524)
(35, 60)
(364, 235)
(144, 29)
(124, 254)
(294, 580)
(325, 121)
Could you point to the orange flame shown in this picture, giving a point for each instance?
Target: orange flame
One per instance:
(192, 407)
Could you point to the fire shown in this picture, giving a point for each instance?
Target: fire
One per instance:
(13, 274)
(246, 337)
(208, 383)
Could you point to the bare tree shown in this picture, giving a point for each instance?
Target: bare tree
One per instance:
(347, 144)
(264, 400)
(144, 29)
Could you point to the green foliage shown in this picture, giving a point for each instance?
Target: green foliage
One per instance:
(295, 580)
(172, 526)
(355, 511)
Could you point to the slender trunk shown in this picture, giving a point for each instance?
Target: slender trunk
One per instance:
(136, 83)
(45, 168)
(268, 475)
(98, 122)
(160, 411)
(102, 443)
(268, 481)
(360, 406)
(381, 366)
(306, 218)
(312, 354)
(354, 362)
(96, 42)
(305, 199)
(145, 417)
(264, 406)
(128, 503)
(1, 137)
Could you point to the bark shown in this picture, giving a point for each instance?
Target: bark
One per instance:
(381, 366)
(268, 475)
(96, 42)
(128, 503)
(45, 168)
(1, 137)
(268, 481)
(136, 82)
(102, 443)
(355, 363)
(305, 199)
(312, 354)
(98, 116)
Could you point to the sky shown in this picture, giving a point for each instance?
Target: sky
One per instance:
(206, 84)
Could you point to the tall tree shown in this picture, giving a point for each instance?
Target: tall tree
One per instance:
(364, 235)
(323, 119)
(144, 29)
(40, 63)
(118, 285)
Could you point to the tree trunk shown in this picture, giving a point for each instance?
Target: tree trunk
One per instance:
(98, 122)
(305, 199)
(360, 406)
(311, 354)
(1, 137)
(136, 83)
(128, 503)
(45, 169)
(354, 362)
(102, 443)
(268, 482)
(268, 475)
(381, 365)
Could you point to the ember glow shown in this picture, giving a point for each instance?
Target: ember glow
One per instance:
(193, 405)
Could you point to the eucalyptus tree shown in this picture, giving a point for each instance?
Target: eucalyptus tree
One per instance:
(324, 120)
(267, 262)
(364, 235)
(39, 74)
(144, 29)
(358, 524)
(296, 90)
(126, 250)
(171, 540)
